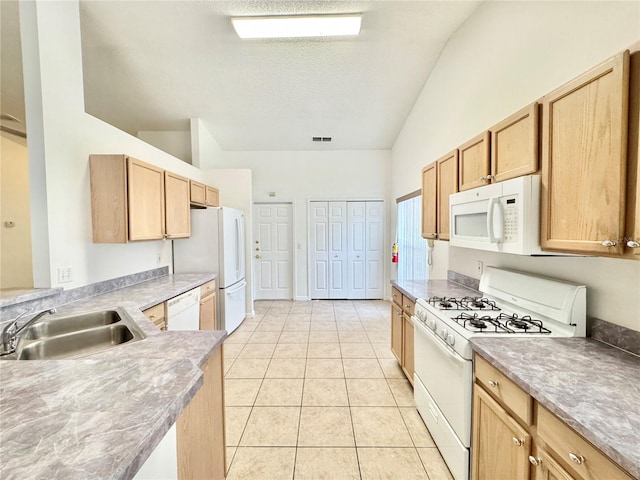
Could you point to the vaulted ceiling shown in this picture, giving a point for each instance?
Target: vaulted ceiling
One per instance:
(153, 65)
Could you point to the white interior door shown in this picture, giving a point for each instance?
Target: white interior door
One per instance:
(338, 250)
(374, 244)
(319, 250)
(356, 253)
(272, 251)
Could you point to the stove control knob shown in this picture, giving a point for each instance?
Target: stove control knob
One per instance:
(451, 339)
(420, 314)
(443, 333)
(431, 323)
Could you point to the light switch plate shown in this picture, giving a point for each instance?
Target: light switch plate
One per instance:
(64, 275)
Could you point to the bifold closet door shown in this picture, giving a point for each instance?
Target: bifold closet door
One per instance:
(374, 245)
(338, 250)
(319, 250)
(356, 255)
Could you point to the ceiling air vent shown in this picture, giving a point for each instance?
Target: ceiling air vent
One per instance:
(321, 139)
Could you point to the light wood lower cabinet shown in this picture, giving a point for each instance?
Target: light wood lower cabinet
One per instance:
(396, 332)
(208, 306)
(500, 445)
(515, 437)
(201, 428)
(407, 347)
(402, 331)
(158, 315)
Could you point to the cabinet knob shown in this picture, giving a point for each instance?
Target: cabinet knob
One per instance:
(493, 383)
(608, 243)
(483, 179)
(152, 317)
(517, 442)
(535, 461)
(633, 244)
(489, 178)
(579, 459)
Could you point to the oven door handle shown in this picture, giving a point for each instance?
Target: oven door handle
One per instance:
(493, 203)
(438, 343)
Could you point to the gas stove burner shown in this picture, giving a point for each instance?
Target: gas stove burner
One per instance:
(477, 323)
(516, 323)
(444, 303)
(478, 303)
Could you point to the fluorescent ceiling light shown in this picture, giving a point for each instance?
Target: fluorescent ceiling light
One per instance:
(297, 26)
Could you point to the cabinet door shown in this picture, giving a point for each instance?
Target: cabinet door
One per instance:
(177, 198)
(584, 147)
(145, 195)
(200, 429)
(633, 167)
(396, 332)
(407, 347)
(197, 196)
(157, 315)
(429, 200)
(447, 184)
(514, 145)
(212, 197)
(546, 468)
(208, 312)
(474, 162)
(500, 445)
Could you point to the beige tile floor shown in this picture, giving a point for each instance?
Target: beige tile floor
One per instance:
(312, 391)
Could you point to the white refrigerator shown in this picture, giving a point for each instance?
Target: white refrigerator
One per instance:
(216, 245)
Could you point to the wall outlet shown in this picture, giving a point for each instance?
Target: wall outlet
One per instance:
(64, 275)
(158, 258)
(479, 267)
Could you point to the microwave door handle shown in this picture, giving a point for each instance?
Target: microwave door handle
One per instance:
(492, 206)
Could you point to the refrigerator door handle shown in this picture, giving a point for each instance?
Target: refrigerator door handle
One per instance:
(235, 288)
(237, 247)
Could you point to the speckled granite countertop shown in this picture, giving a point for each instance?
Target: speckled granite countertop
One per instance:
(101, 416)
(432, 288)
(593, 387)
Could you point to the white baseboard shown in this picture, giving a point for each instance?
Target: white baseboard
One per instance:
(301, 299)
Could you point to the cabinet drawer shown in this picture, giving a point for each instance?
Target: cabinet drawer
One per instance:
(408, 305)
(504, 390)
(396, 296)
(573, 450)
(207, 288)
(157, 315)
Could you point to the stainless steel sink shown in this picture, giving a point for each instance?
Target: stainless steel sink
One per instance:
(52, 327)
(76, 336)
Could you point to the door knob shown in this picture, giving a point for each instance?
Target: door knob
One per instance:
(257, 256)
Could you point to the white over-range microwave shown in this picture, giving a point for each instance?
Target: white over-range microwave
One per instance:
(502, 217)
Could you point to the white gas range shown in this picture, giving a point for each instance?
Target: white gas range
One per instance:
(511, 304)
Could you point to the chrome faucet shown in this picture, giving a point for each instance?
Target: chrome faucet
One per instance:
(10, 332)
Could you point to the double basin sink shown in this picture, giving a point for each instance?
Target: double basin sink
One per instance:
(76, 336)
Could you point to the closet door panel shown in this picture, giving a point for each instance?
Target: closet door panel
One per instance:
(374, 245)
(319, 250)
(337, 249)
(356, 255)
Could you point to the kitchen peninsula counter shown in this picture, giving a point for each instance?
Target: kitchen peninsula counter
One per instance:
(100, 416)
(591, 386)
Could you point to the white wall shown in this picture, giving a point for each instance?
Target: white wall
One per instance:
(297, 177)
(507, 55)
(15, 241)
(61, 138)
(177, 144)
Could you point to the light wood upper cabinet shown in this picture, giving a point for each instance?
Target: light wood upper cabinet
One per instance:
(514, 145)
(584, 160)
(633, 166)
(198, 193)
(474, 162)
(501, 446)
(429, 201)
(178, 215)
(212, 197)
(133, 200)
(447, 180)
(127, 199)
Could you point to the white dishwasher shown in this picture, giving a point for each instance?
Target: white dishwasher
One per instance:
(183, 311)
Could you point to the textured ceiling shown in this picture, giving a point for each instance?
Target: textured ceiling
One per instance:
(153, 65)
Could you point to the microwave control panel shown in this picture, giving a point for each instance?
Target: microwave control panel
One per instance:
(510, 206)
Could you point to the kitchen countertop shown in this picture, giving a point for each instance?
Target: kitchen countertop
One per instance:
(101, 416)
(591, 386)
(415, 289)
